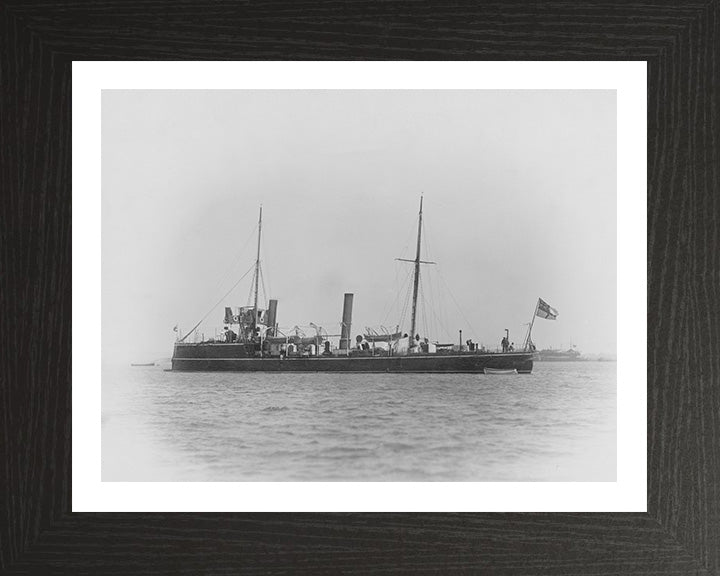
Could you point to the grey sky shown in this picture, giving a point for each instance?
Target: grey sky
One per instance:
(520, 202)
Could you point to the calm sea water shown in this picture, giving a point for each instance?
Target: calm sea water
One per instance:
(556, 424)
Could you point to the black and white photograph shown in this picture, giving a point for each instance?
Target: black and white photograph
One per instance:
(349, 288)
(359, 285)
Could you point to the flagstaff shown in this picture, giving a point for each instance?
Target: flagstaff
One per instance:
(543, 310)
(528, 338)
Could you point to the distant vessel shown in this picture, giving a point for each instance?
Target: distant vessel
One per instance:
(145, 364)
(260, 346)
(552, 355)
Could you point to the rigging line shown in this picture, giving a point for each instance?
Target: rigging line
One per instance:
(422, 305)
(262, 280)
(436, 327)
(431, 298)
(440, 325)
(403, 311)
(419, 317)
(399, 290)
(407, 303)
(441, 278)
(216, 305)
(429, 326)
(446, 332)
(442, 306)
(252, 284)
(389, 306)
(462, 313)
(264, 259)
(440, 312)
(429, 295)
(405, 245)
(234, 263)
(425, 241)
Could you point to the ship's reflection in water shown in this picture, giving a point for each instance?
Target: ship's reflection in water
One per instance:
(557, 424)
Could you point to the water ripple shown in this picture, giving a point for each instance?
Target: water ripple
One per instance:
(557, 424)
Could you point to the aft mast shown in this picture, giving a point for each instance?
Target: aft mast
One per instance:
(416, 279)
(257, 272)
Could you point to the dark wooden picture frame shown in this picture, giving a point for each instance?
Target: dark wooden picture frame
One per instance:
(680, 533)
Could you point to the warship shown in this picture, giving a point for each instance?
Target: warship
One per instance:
(252, 341)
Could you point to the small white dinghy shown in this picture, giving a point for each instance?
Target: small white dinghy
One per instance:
(500, 371)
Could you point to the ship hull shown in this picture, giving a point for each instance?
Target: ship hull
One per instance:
(229, 358)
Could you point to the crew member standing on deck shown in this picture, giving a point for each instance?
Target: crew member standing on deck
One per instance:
(230, 336)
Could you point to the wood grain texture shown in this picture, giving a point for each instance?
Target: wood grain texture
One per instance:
(681, 532)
